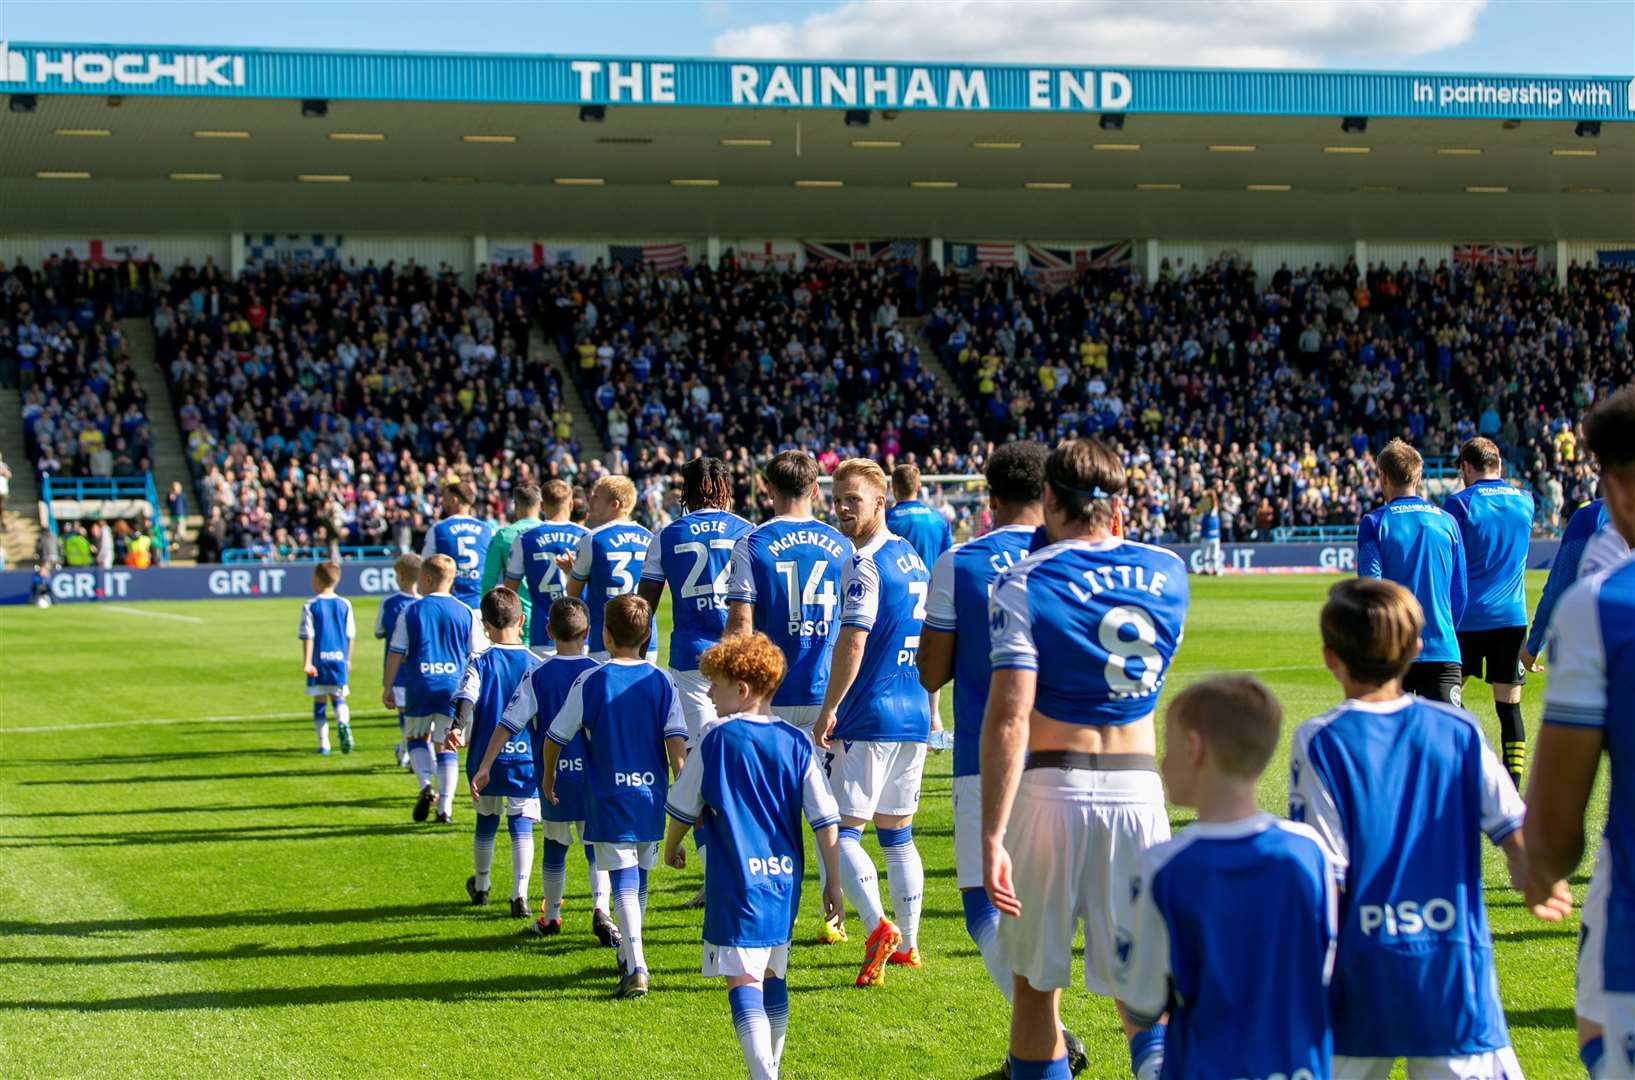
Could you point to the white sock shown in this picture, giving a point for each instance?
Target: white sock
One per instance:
(754, 1032)
(775, 993)
(343, 713)
(555, 881)
(420, 758)
(448, 772)
(522, 854)
(482, 849)
(906, 876)
(321, 728)
(984, 931)
(599, 886)
(860, 880)
(627, 912)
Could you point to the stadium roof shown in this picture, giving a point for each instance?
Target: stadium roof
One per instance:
(219, 139)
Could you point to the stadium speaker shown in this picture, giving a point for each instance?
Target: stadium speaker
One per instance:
(1586, 129)
(315, 108)
(24, 103)
(1112, 121)
(592, 114)
(857, 118)
(1354, 125)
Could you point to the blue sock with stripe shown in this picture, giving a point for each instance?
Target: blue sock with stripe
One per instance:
(749, 1020)
(522, 853)
(982, 923)
(1147, 1053)
(627, 913)
(1591, 1053)
(776, 993)
(554, 877)
(482, 848)
(905, 876)
(1056, 1069)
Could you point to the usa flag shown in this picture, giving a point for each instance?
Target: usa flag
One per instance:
(659, 256)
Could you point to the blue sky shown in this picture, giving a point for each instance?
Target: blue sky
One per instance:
(1565, 37)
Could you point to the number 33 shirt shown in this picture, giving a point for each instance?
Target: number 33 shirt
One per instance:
(1099, 621)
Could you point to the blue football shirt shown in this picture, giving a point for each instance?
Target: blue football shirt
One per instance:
(491, 679)
(885, 589)
(436, 635)
(386, 616)
(327, 622)
(694, 562)
(1586, 521)
(1592, 685)
(1418, 546)
(533, 562)
(1099, 621)
(609, 560)
(538, 699)
(750, 779)
(1231, 929)
(1401, 793)
(922, 526)
(464, 539)
(788, 571)
(961, 586)
(627, 709)
(1495, 527)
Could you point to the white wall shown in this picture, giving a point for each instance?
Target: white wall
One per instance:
(171, 249)
(1264, 257)
(1393, 253)
(429, 252)
(1583, 252)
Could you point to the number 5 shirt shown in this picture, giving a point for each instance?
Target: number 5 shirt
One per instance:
(884, 589)
(465, 540)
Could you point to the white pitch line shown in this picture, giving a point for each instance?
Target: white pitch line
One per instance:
(150, 614)
(153, 723)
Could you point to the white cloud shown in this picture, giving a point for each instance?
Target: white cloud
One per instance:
(1206, 33)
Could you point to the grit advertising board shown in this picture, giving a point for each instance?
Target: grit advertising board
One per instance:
(585, 80)
(259, 582)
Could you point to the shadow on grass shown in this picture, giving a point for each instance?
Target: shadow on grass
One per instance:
(219, 920)
(402, 944)
(287, 774)
(1554, 1018)
(111, 760)
(229, 834)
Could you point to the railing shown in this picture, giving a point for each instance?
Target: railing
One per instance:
(108, 489)
(306, 554)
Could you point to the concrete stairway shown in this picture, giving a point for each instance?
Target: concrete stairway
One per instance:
(169, 449)
(22, 526)
(542, 350)
(914, 327)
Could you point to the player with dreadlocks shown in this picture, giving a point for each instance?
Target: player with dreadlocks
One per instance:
(694, 557)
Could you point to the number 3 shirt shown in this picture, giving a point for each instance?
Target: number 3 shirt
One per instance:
(883, 591)
(1099, 621)
(609, 561)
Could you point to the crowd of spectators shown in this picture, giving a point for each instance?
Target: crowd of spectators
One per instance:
(1274, 394)
(84, 412)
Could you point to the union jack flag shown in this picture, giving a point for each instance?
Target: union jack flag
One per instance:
(659, 256)
(1057, 266)
(1496, 255)
(859, 251)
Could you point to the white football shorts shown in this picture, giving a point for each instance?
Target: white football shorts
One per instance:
(696, 707)
(623, 856)
(725, 961)
(968, 832)
(801, 716)
(562, 832)
(327, 690)
(434, 727)
(1500, 1064)
(509, 806)
(872, 778)
(1074, 839)
(1615, 1012)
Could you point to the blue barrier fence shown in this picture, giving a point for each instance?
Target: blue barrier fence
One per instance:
(376, 578)
(108, 488)
(306, 554)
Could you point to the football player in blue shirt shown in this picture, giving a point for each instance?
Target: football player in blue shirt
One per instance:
(1239, 1004)
(434, 638)
(925, 529)
(610, 558)
(750, 777)
(694, 558)
(955, 645)
(875, 719)
(407, 571)
(1589, 707)
(535, 705)
(1495, 528)
(532, 564)
(1083, 632)
(504, 761)
(635, 739)
(463, 538)
(1209, 533)
(327, 630)
(1418, 546)
(785, 583)
(1589, 543)
(1401, 789)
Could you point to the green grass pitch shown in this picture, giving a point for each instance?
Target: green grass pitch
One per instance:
(188, 890)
